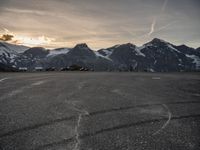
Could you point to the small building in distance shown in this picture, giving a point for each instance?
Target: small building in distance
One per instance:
(39, 68)
(50, 69)
(23, 69)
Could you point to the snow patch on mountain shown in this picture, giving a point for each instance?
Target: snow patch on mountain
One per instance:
(108, 52)
(138, 50)
(196, 60)
(13, 47)
(171, 47)
(6, 51)
(57, 52)
(99, 55)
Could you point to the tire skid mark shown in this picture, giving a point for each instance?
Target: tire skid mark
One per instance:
(136, 124)
(141, 105)
(37, 126)
(89, 114)
(196, 94)
(167, 122)
(66, 141)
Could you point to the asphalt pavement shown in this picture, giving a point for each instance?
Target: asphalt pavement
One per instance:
(99, 111)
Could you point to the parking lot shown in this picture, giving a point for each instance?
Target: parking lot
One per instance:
(99, 111)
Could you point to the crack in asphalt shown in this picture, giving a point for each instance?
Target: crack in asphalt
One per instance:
(77, 137)
(77, 133)
(82, 113)
(167, 122)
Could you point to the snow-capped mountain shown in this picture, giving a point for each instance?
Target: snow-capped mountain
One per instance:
(156, 55)
(81, 55)
(12, 47)
(8, 54)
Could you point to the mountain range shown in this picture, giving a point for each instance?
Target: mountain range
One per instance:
(154, 56)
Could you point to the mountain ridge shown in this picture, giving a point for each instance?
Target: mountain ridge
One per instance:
(156, 56)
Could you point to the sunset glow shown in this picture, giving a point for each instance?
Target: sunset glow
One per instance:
(32, 41)
(27, 40)
(100, 24)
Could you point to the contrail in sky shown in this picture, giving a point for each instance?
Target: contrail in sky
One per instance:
(155, 19)
(164, 5)
(152, 26)
(166, 26)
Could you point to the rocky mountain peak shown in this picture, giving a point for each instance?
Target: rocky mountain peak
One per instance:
(81, 46)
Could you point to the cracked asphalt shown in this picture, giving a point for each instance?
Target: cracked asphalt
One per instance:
(99, 111)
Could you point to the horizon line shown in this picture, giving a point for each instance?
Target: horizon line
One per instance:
(95, 49)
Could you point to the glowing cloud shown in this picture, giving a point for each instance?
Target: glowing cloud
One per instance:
(32, 41)
(25, 40)
(6, 37)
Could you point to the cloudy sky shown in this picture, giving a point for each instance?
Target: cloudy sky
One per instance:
(99, 23)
